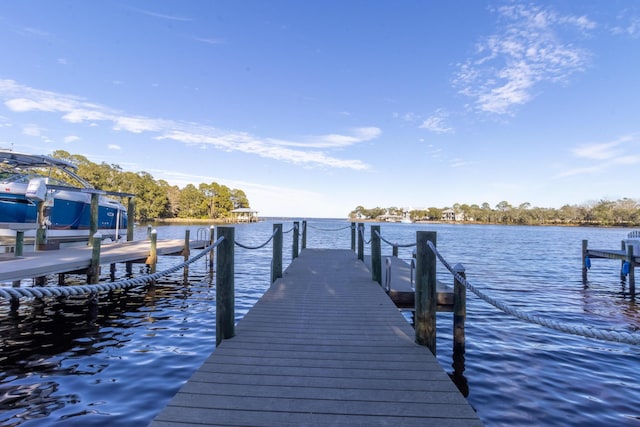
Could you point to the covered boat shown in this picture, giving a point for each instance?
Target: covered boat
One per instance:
(42, 191)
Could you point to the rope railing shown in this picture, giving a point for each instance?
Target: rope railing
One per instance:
(328, 229)
(259, 246)
(604, 335)
(59, 291)
(295, 226)
(366, 242)
(395, 244)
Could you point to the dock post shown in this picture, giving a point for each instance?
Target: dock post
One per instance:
(152, 259)
(149, 230)
(94, 268)
(376, 255)
(296, 239)
(584, 262)
(186, 252)
(131, 213)
(425, 294)
(41, 231)
(304, 235)
(276, 262)
(187, 248)
(212, 239)
(353, 236)
(632, 274)
(395, 250)
(18, 251)
(459, 309)
(225, 299)
(93, 223)
(623, 248)
(361, 241)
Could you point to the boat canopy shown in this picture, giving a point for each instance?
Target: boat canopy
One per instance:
(14, 159)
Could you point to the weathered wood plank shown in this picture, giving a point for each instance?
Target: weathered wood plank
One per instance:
(324, 346)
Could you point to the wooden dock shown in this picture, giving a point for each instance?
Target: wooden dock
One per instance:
(78, 258)
(402, 292)
(324, 346)
(628, 257)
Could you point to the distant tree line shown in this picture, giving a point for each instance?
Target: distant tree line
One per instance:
(156, 199)
(624, 212)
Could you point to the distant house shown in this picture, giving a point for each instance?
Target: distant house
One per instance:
(389, 218)
(451, 215)
(244, 215)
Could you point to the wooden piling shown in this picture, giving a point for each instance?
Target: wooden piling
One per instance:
(41, 231)
(186, 252)
(353, 236)
(623, 247)
(94, 270)
(425, 293)
(212, 239)
(376, 255)
(152, 259)
(632, 274)
(296, 238)
(18, 251)
(459, 309)
(584, 261)
(361, 241)
(93, 224)
(225, 299)
(304, 235)
(276, 262)
(131, 213)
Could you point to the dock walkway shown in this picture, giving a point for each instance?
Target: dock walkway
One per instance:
(324, 346)
(75, 258)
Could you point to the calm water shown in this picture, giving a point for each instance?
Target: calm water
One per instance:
(60, 365)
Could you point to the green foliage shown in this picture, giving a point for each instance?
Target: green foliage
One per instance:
(623, 212)
(156, 199)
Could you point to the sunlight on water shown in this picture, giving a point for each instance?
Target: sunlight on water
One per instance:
(60, 364)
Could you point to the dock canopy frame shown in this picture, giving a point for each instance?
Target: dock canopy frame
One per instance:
(244, 215)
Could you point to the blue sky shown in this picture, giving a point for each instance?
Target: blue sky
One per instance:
(315, 107)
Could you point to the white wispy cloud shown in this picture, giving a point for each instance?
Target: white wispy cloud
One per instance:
(604, 155)
(209, 40)
(114, 147)
(161, 15)
(629, 26)
(437, 122)
(71, 138)
(527, 49)
(32, 130)
(356, 136)
(311, 151)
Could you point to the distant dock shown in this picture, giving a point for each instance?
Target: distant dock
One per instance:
(628, 258)
(324, 346)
